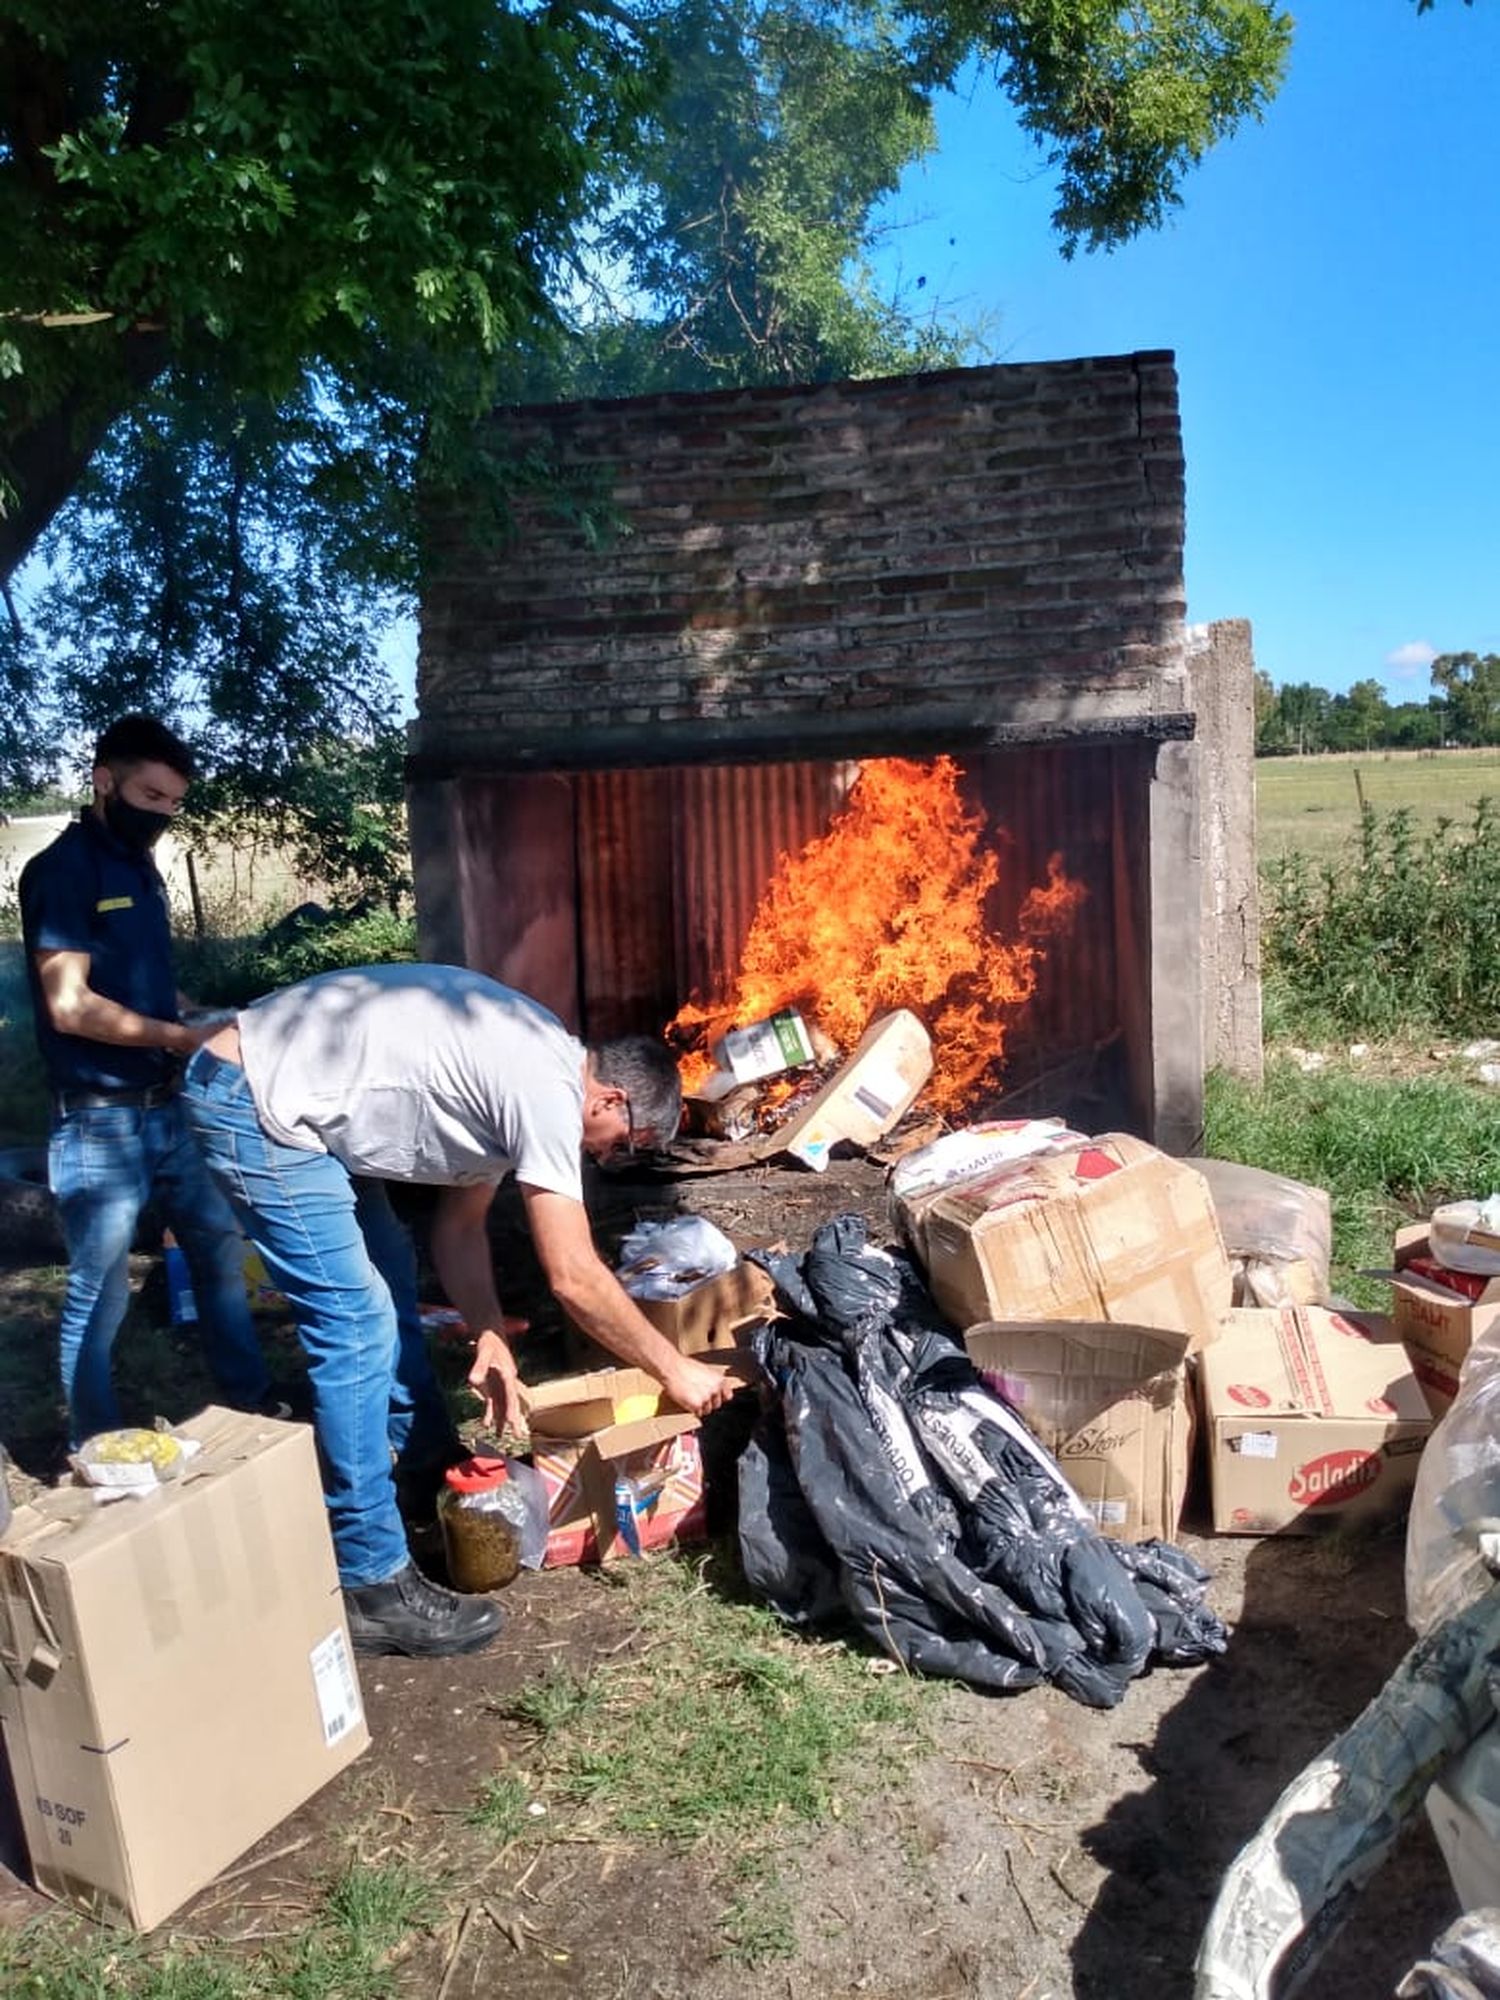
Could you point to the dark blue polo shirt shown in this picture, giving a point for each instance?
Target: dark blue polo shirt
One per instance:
(88, 892)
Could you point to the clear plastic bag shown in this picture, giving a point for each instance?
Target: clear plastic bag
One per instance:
(662, 1260)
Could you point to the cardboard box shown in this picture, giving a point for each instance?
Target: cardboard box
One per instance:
(574, 1406)
(1111, 1404)
(1314, 1419)
(871, 1093)
(1107, 1230)
(1438, 1326)
(661, 1459)
(587, 1431)
(175, 1672)
(715, 1313)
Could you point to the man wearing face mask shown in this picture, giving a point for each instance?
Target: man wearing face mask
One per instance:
(104, 997)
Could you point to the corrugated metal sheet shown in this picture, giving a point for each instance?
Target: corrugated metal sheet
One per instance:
(731, 824)
(1042, 801)
(670, 864)
(625, 905)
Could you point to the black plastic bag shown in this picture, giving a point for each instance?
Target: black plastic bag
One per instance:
(955, 1542)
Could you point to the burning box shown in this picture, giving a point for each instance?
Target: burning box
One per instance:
(1108, 1229)
(1110, 1403)
(876, 1087)
(1314, 1420)
(1438, 1315)
(178, 1676)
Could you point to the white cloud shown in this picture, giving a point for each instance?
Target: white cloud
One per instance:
(1414, 658)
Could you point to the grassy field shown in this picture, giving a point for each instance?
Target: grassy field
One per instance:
(1312, 803)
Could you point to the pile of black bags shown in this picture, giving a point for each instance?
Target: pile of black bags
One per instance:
(889, 1484)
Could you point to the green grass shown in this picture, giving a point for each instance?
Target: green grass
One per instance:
(502, 1809)
(1310, 805)
(1386, 1150)
(348, 1949)
(719, 1723)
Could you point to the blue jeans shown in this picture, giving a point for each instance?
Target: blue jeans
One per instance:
(336, 1250)
(103, 1165)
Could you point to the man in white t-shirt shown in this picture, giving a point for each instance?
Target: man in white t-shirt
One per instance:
(304, 1107)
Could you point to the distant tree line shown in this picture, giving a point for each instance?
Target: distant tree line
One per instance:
(1462, 711)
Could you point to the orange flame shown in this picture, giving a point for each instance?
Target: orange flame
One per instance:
(887, 909)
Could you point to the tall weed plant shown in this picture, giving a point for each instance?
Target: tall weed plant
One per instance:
(1386, 1150)
(1400, 932)
(226, 971)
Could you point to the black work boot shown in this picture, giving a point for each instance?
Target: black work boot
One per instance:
(407, 1614)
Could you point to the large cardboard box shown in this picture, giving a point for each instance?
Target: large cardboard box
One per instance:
(1314, 1419)
(874, 1089)
(1111, 1403)
(1109, 1229)
(175, 1672)
(1438, 1323)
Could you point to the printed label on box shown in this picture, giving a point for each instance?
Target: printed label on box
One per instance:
(337, 1688)
(1254, 1444)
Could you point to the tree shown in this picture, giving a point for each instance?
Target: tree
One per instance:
(377, 197)
(1303, 712)
(1470, 684)
(265, 280)
(739, 254)
(388, 197)
(1358, 719)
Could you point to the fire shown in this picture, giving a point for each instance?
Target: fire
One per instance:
(887, 909)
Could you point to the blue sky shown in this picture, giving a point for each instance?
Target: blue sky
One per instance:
(1331, 288)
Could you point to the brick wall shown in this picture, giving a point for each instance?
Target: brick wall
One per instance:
(986, 554)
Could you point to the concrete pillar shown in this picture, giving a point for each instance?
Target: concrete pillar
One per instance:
(1221, 679)
(1175, 925)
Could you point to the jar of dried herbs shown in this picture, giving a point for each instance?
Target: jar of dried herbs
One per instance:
(482, 1512)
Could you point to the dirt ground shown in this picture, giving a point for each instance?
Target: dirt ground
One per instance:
(1036, 1849)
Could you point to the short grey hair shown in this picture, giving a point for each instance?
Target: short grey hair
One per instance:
(646, 1071)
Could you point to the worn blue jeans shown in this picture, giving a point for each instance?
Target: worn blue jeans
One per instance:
(335, 1248)
(103, 1165)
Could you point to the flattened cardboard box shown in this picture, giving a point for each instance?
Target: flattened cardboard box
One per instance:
(1110, 1230)
(1111, 1404)
(1438, 1326)
(175, 1672)
(875, 1088)
(1314, 1418)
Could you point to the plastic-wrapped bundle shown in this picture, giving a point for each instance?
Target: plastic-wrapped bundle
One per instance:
(1453, 1530)
(890, 1473)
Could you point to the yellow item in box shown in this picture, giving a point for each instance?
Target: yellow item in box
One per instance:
(635, 1409)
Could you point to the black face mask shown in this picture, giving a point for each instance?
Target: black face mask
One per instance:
(134, 826)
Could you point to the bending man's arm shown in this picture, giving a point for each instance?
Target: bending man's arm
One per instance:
(461, 1253)
(74, 1008)
(598, 1303)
